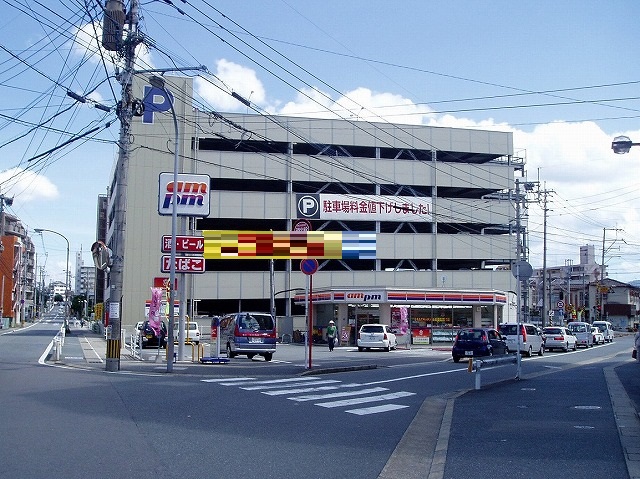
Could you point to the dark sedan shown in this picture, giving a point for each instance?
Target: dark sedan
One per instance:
(472, 342)
(151, 338)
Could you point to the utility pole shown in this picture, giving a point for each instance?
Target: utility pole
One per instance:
(601, 282)
(113, 39)
(545, 210)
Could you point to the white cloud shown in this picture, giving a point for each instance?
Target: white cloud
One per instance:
(27, 185)
(231, 77)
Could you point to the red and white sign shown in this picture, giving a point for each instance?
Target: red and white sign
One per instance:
(184, 264)
(163, 282)
(184, 244)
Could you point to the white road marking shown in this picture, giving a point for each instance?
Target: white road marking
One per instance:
(315, 397)
(376, 409)
(349, 402)
(310, 390)
(276, 386)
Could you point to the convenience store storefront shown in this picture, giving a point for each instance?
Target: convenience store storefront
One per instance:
(419, 316)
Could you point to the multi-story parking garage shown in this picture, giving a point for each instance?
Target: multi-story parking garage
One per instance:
(427, 195)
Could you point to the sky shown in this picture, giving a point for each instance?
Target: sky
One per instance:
(562, 76)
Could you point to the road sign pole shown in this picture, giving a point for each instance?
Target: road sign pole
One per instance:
(306, 309)
(310, 318)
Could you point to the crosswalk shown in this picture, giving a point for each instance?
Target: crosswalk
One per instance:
(326, 393)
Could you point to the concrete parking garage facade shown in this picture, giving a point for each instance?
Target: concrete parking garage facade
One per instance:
(446, 231)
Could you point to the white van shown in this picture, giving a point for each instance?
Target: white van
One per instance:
(582, 332)
(191, 332)
(606, 329)
(531, 340)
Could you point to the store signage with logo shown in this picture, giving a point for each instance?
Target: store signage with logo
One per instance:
(192, 195)
(364, 207)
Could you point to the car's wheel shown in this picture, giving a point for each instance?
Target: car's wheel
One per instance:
(360, 349)
(387, 349)
(230, 354)
(250, 355)
(268, 356)
(456, 359)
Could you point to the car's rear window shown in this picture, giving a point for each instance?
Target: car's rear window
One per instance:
(578, 328)
(553, 331)
(372, 329)
(509, 329)
(255, 322)
(470, 334)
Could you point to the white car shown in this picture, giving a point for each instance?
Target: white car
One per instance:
(531, 340)
(606, 329)
(559, 337)
(598, 337)
(376, 336)
(191, 332)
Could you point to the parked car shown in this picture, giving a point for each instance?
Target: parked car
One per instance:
(582, 332)
(471, 342)
(248, 333)
(191, 332)
(606, 328)
(150, 338)
(559, 337)
(530, 338)
(376, 336)
(598, 337)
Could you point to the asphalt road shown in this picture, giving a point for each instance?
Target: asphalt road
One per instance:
(268, 420)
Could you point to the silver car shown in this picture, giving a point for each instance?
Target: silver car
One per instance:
(376, 336)
(559, 337)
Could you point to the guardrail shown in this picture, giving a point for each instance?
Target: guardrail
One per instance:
(477, 365)
(135, 346)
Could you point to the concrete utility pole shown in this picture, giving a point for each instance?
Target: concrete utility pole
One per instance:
(545, 209)
(114, 40)
(601, 282)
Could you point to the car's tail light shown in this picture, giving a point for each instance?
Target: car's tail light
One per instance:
(558, 338)
(523, 332)
(385, 336)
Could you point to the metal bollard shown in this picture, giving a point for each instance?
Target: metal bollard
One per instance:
(200, 348)
(57, 348)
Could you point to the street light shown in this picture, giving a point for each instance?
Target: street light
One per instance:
(158, 82)
(622, 144)
(68, 285)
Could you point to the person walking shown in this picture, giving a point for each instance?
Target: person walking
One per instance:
(636, 344)
(332, 333)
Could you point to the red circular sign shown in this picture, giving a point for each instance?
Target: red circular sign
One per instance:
(302, 225)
